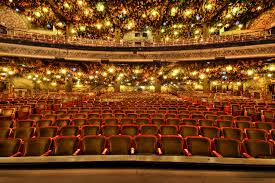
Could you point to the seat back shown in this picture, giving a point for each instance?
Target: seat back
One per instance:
(24, 133)
(78, 121)
(94, 121)
(200, 146)
(226, 117)
(232, 133)
(171, 145)
(206, 122)
(88, 130)
(266, 126)
(158, 121)
(259, 134)
(37, 146)
(173, 121)
(24, 123)
(127, 121)
(62, 122)
(93, 144)
(109, 130)
(149, 129)
(120, 144)
(228, 147)
(258, 148)
(9, 147)
(4, 133)
(224, 123)
(6, 123)
(131, 130)
(47, 131)
(145, 144)
(210, 132)
(189, 122)
(168, 130)
(35, 117)
(69, 131)
(44, 123)
(110, 121)
(142, 121)
(188, 130)
(65, 146)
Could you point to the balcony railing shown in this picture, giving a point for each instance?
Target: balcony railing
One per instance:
(60, 39)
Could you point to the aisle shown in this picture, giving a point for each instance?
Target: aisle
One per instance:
(133, 176)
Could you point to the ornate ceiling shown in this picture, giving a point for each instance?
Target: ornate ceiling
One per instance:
(165, 18)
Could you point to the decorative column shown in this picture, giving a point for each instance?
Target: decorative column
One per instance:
(157, 85)
(117, 86)
(206, 86)
(205, 30)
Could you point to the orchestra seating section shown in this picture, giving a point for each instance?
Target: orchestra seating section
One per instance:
(136, 124)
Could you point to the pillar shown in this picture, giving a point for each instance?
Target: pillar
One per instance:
(117, 86)
(205, 30)
(157, 85)
(206, 86)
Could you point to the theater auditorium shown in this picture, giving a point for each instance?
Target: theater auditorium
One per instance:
(137, 91)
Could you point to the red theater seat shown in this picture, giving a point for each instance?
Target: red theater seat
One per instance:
(188, 130)
(120, 145)
(232, 133)
(69, 131)
(93, 145)
(259, 134)
(37, 147)
(5, 133)
(145, 145)
(66, 146)
(210, 132)
(171, 145)
(258, 149)
(109, 130)
(227, 148)
(131, 130)
(10, 147)
(168, 130)
(46, 131)
(198, 146)
(150, 129)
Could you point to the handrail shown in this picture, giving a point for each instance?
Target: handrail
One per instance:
(61, 39)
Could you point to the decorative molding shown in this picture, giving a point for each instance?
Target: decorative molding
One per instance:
(264, 21)
(266, 50)
(10, 19)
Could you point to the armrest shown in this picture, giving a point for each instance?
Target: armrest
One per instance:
(247, 155)
(187, 152)
(76, 152)
(16, 154)
(159, 151)
(132, 150)
(105, 151)
(217, 154)
(47, 153)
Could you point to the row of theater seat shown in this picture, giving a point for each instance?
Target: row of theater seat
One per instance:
(112, 121)
(138, 121)
(143, 115)
(133, 130)
(138, 145)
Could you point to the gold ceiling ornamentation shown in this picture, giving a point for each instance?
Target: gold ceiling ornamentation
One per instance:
(12, 20)
(265, 21)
